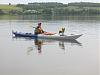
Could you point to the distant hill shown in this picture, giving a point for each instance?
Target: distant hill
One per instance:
(84, 4)
(48, 4)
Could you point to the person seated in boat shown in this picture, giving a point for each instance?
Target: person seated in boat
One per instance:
(38, 29)
(61, 32)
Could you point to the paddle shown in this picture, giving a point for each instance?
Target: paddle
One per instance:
(34, 27)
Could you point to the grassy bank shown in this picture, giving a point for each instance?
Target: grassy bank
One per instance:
(9, 7)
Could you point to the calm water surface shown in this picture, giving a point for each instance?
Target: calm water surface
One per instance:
(20, 56)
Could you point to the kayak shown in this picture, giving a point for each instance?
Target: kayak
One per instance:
(43, 36)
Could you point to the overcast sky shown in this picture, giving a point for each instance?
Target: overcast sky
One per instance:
(28, 1)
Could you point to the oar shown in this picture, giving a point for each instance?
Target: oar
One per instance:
(34, 27)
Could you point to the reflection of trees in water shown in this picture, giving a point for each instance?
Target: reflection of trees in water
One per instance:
(39, 43)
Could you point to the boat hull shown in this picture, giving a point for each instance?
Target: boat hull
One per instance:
(56, 37)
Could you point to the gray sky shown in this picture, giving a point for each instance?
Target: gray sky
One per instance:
(61, 1)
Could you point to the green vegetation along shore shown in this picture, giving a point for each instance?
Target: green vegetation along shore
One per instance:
(52, 8)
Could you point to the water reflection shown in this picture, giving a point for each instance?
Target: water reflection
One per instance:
(61, 45)
(38, 43)
(48, 17)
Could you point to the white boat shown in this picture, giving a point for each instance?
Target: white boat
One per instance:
(42, 36)
(56, 36)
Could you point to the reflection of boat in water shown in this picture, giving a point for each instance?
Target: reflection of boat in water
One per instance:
(40, 42)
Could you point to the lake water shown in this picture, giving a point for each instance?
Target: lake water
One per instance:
(20, 56)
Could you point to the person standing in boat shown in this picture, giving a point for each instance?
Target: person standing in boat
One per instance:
(38, 29)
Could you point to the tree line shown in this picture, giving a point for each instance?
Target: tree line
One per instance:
(81, 8)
